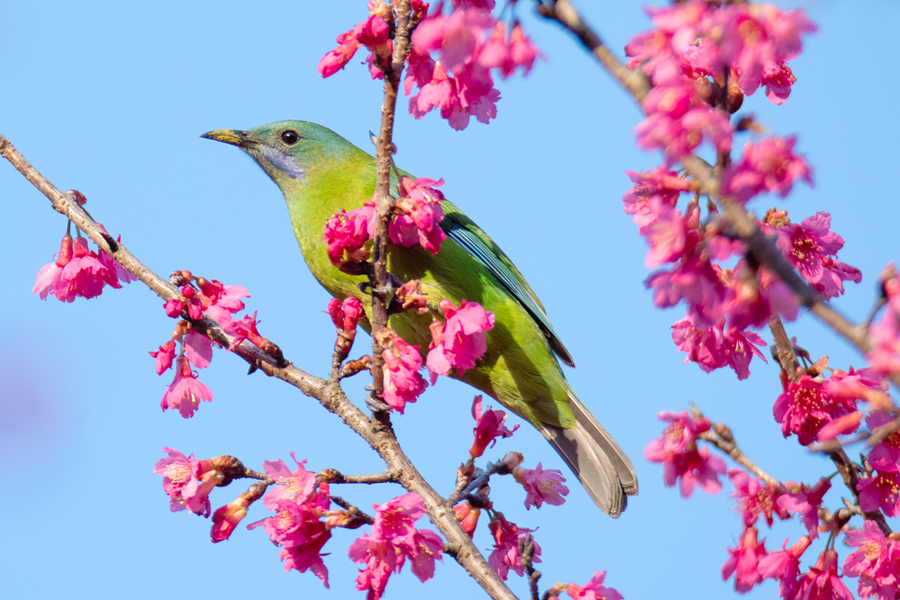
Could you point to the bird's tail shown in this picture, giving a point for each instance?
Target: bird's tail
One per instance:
(596, 459)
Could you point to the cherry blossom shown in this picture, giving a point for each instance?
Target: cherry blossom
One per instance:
(541, 486)
(744, 561)
(460, 341)
(489, 425)
(506, 554)
(185, 392)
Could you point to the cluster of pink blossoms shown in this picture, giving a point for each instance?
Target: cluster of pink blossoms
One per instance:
(416, 220)
(200, 297)
(79, 271)
(458, 82)
(677, 450)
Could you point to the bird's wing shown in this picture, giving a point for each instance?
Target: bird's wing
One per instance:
(462, 230)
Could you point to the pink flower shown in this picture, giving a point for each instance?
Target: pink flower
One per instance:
(337, 59)
(194, 304)
(741, 346)
(541, 486)
(697, 281)
(706, 347)
(164, 356)
(653, 190)
(876, 562)
(778, 80)
(470, 93)
(823, 582)
(507, 55)
(885, 455)
(459, 342)
(804, 408)
(298, 487)
(759, 295)
(467, 516)
(300, 533)
(174, 308)
(884, 356)
(784, 565)
(806, 502)
(345, 315)
(245, 329)
(421, 221)
(880, 491)
(667, 235)
(393, 539)
(187, 481)
(769, 165)
(812, 247)
(221, 301)
(348, 235)
(593, 589)
(488, 427)
(678, 136)
(227, 517)
(84, 275)
(506, 553)
(49, 276)
(744, 561)
(677, 450)
(756, 498)
(402, 381)
(185, 392)
(457, 36)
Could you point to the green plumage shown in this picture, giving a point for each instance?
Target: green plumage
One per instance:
(321, 173)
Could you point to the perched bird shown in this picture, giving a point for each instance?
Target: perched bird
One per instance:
(321, 173)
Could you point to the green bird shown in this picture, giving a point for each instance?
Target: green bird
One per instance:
(320, 173)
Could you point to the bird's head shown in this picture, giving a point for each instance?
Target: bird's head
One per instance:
(286, 150)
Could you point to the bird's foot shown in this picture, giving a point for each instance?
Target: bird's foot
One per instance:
(375, 403)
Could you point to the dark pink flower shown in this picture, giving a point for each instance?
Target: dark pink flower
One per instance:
(298, 487)
(187, 481)
(880, 491)
(876, 562)
(706, 347)
(227, 517)
(345, 315)
(174, 308)
(489, 425)
(164, 356)
(823, 582)
(593, 589)
(373, 34)
(806, 502)
(804, 408)
(194, 304)
(768, 165)
(756, 498)
(541, 486)
(677, 450)
(677, 438)
(741, 346)
(347, 236)
(506, 555)
(744, 561)
(185, 392)
(198, 349)
(784, 566)
(459, 342)
(778, 80)
(652, 191)
(885, 455)
(402, 381)
(49, 276)
(421, 223)
(458, 36)
(84, 275)
(467, 516)
(812, 247)
(244, 329)
(697, 281)
(759, 295)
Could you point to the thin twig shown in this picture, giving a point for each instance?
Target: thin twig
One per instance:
(722, 438)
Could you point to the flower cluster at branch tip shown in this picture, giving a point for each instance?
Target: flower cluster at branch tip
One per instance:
(393, 539)
(79, 271)
(541, 486)
(470, 42)
(677, 449)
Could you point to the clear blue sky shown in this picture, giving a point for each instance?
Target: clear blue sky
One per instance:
(110, 98)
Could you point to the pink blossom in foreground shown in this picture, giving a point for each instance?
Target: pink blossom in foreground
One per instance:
(863, 384)
(806, 502)
(174, 308)
(653, 190)
(187, 481)
(85, 275)
(784, 566)
(299, 532)
(49, 276)
(421, 223)
(768, 165)
(198, 349)
(347, 236)
(506, 555)
(459, 342)
(804, 408)
(298, 486)
(185, 392)
(393, 539)
(345, 315)
(507, 55)
(593, 589)
(744, 561)
(812, 248)
(541, 486)
(164, 356)
(876, 562)
(840, 426)
(489, 425)
(245, 329)
(756, 498)
(457, 37)
(470, 93)
(880, 492)
(778, 80)
(823, 582)
(402, 381)
(373, 34)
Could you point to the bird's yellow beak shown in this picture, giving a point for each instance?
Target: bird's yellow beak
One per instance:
(229, 136)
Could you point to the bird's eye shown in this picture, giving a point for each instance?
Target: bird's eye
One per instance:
(290, 137)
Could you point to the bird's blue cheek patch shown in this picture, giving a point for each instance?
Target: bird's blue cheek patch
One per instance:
(284, 163)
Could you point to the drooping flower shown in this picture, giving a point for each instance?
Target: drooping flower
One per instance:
(345, 315)
(48, 279)
(226, 518)
(506, 554)
(756, 498)
(593, 589)
(467, 515)
(744, 561)
(489, 425)
(402, 381)
(187, 481)
(541, 486)
(198, 349)
(460, 341)
(823, 582)
(784, 566)
(185, 392)
(164, 356)
(885, 455)
(806, 502)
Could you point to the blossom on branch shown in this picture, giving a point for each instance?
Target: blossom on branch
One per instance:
(822, 582)
(768, 165)
(541, 486)
(187, 481)
(677, 450)
(460, 341)
(756, 498)
(876, 562)
(804, 408)
(806, 501)
(506, 554)
(402, 381)
(185, 392)
(744, 561)
(593, 589)
(784, 566)
(489, 425)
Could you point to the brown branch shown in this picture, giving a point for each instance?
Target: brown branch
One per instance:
(328, 393)
(335, 476)
(354, 515)
(742, 222)
(722, 438)
(526, 551)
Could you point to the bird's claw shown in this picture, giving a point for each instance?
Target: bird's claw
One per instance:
(375, 404)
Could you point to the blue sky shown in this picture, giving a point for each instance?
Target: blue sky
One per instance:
(111, 98)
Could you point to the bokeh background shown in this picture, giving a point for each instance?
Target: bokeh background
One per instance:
(110, 98)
